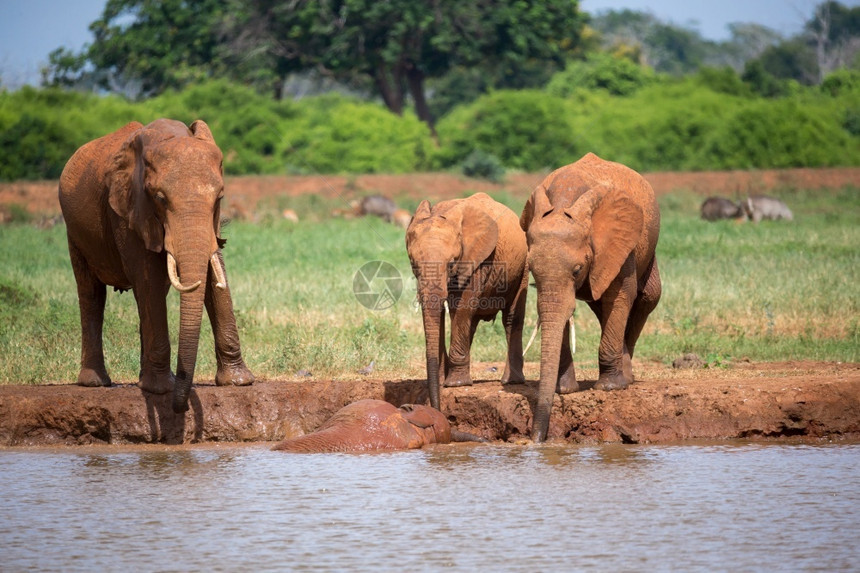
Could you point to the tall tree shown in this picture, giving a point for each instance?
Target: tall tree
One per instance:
(834, 31)
(398, 44)
(143, 47)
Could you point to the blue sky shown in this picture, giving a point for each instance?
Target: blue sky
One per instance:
(31, 29)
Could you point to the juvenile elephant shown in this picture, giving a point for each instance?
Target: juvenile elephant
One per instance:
(470, 253)
(371, 425)
(142, 209)
(592, 229)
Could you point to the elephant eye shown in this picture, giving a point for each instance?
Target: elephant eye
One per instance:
(576, 270)
(161, 198)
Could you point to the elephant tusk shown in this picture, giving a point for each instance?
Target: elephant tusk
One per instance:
(174, 280)
(572, 336)
(220, 277)
(532, 339)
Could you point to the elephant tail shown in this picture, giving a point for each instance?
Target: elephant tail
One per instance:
(457, 436)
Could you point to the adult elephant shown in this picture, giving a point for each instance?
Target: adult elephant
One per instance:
(142, 209)
(470, 253)
(592, 230)
(373, 425)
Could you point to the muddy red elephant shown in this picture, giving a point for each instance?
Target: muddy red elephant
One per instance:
(376, 425)
(471, 254)
(592, 230)
(142, 212)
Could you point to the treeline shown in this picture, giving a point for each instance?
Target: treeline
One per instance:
(533, 99)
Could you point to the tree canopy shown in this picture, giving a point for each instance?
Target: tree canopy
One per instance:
(144, 47)
(395, 46)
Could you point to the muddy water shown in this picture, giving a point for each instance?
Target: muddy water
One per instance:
(497, 508)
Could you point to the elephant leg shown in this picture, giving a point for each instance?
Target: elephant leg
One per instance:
(155, 374)
(463, 326)
(514, 317)
(92, 294)
(613, 355)
(232, 370)
(566, 371)
(644, 304)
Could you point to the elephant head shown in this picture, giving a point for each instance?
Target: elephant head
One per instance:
(575, 250)
(430, 422)
(446, 245)
(166, 183)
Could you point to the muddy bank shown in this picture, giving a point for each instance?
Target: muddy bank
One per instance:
(775, 401)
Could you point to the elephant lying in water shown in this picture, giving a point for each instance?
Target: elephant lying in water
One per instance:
(376, 425)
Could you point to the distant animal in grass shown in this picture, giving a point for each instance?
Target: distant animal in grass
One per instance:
(716, 208)
(376, 425)
(759, 207)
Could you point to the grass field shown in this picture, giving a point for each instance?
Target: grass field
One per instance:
(772, 291)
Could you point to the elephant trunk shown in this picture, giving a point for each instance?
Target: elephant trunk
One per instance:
(553, 317)
(194, 260)
(433, 311)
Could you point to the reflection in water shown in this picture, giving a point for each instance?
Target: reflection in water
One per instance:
(461, 507)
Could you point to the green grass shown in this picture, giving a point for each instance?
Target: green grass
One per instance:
(771, 291)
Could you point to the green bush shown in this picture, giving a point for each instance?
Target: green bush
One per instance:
(246, 125)
(483, 165)
(841, 82)
(707, 121)
(722, 80)
(336, 134)
(526, 129)
(782, 133)
(600, 71)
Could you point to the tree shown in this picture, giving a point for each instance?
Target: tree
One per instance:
(834, 30)
(747, 42)
(143, 47)
(397, 45)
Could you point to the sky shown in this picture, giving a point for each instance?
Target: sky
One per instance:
(32, 29)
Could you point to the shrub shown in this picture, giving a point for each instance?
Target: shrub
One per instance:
(526, 129)
(722, 80)
(777, 134)
(483, 165)
(841, 82)
(600, 71)
(336, 134)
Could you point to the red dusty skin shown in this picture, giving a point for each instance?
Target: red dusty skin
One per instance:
(374, 425)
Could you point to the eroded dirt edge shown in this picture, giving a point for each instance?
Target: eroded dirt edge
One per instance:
(798, 401)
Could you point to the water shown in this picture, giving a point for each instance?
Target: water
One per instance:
(740, 507)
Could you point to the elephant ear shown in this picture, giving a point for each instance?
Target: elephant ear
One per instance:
(616, 226)
(417, 416)
(538, 205)
(422, 213)
(128, 198)
(479, 233)
(201, 131)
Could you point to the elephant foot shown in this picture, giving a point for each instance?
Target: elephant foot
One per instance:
(156, 382)
(458, 377)
(237, 375)
(627, 367)
(567, 383)
(513, 377)
(616, 381)
(93, 378)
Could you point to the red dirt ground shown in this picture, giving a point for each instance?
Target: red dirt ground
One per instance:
(39, 198)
